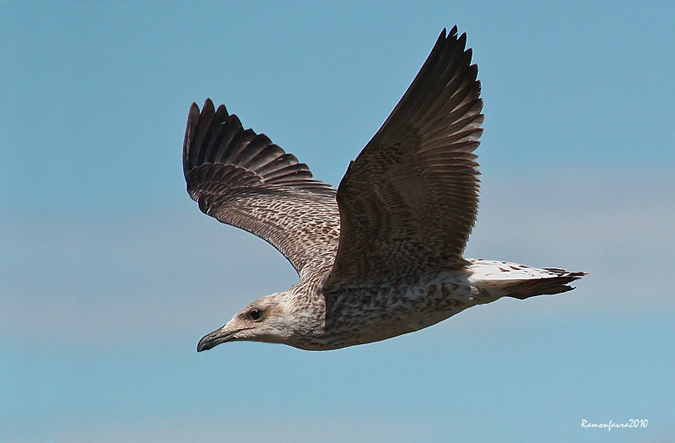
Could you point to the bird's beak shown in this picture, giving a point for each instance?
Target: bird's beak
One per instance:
(215, 338)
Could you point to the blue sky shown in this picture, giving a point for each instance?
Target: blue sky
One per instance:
(110, 274)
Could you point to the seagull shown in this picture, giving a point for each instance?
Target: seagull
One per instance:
(380, 256)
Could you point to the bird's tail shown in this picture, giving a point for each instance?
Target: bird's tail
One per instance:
(504, 279)
(554, 284)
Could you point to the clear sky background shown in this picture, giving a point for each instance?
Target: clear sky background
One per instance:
(110, 274)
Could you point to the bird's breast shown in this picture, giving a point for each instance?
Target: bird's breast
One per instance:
(364, 313)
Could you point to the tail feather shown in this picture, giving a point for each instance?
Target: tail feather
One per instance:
(545, 285)
(505, 279)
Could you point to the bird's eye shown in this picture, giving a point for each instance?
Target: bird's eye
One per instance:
(255, 314)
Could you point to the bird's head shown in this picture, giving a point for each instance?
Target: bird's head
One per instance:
(266, 320)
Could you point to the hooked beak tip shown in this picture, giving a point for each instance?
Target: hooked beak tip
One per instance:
(210, 341)
(215, 338)
(204, 344)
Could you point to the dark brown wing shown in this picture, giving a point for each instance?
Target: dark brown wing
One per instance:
(409, 200)
(243, 179)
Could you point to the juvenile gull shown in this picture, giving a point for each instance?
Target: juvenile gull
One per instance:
(382, 255)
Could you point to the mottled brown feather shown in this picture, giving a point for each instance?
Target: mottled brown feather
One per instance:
(407, 204)
(243, 179)
(409, 201)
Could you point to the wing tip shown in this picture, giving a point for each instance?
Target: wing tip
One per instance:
(216, 139)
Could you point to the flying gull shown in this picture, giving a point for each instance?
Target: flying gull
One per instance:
(382, 255)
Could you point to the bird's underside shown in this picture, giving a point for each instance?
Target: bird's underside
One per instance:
(382, 255)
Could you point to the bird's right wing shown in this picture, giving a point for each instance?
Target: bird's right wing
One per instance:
(241, 178)
(409, 200)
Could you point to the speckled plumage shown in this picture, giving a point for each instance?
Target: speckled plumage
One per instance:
(382, 255)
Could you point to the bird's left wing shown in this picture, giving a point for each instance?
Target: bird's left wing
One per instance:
(243, 179)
